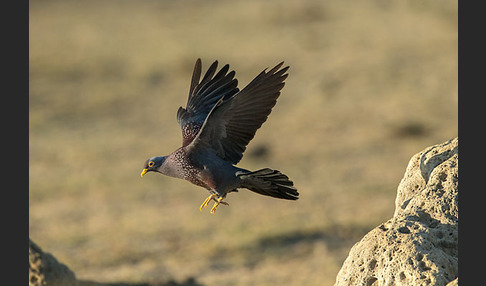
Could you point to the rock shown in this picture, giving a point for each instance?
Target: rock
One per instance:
(45, 270)
(454, 282)
(419, 244)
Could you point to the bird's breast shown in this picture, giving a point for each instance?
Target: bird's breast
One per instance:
(186, 168)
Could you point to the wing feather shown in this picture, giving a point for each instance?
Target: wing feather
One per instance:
(203, 96)
(232, 123)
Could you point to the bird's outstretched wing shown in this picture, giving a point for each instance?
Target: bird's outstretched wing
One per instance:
(203, 95)
(232, 122)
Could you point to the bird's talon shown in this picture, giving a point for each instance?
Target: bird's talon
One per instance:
(206, 202)
(218, 201)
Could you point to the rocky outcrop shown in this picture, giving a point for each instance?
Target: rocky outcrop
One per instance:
(419, 244)
(45, 270)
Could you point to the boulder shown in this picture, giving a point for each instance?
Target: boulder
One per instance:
(45, 270)
(419, 244)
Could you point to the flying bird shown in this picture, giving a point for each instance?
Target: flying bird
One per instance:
(217, 124)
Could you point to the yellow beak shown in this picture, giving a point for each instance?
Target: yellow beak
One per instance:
(144, 171)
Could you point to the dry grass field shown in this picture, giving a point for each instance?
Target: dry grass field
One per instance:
(370, 84)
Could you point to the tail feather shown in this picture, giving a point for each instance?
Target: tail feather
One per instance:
(269, 182)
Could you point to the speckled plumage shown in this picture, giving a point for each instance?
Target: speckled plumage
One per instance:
(217, 124)
(189, 131)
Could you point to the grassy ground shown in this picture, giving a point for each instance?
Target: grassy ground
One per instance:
(370, 84)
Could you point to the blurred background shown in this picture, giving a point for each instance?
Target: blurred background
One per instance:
(370, 84)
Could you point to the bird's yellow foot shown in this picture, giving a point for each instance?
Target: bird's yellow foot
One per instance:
(217, 203)
(218, 200)
(206, 202)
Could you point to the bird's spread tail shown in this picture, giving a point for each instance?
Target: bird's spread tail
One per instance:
(269, 182)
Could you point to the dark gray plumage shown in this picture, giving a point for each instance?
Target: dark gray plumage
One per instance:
(217, 124)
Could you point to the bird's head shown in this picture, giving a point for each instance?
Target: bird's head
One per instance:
(153, 164)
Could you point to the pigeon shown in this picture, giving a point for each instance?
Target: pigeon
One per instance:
(217, 124)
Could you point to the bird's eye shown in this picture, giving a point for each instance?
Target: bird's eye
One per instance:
(151, 164)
